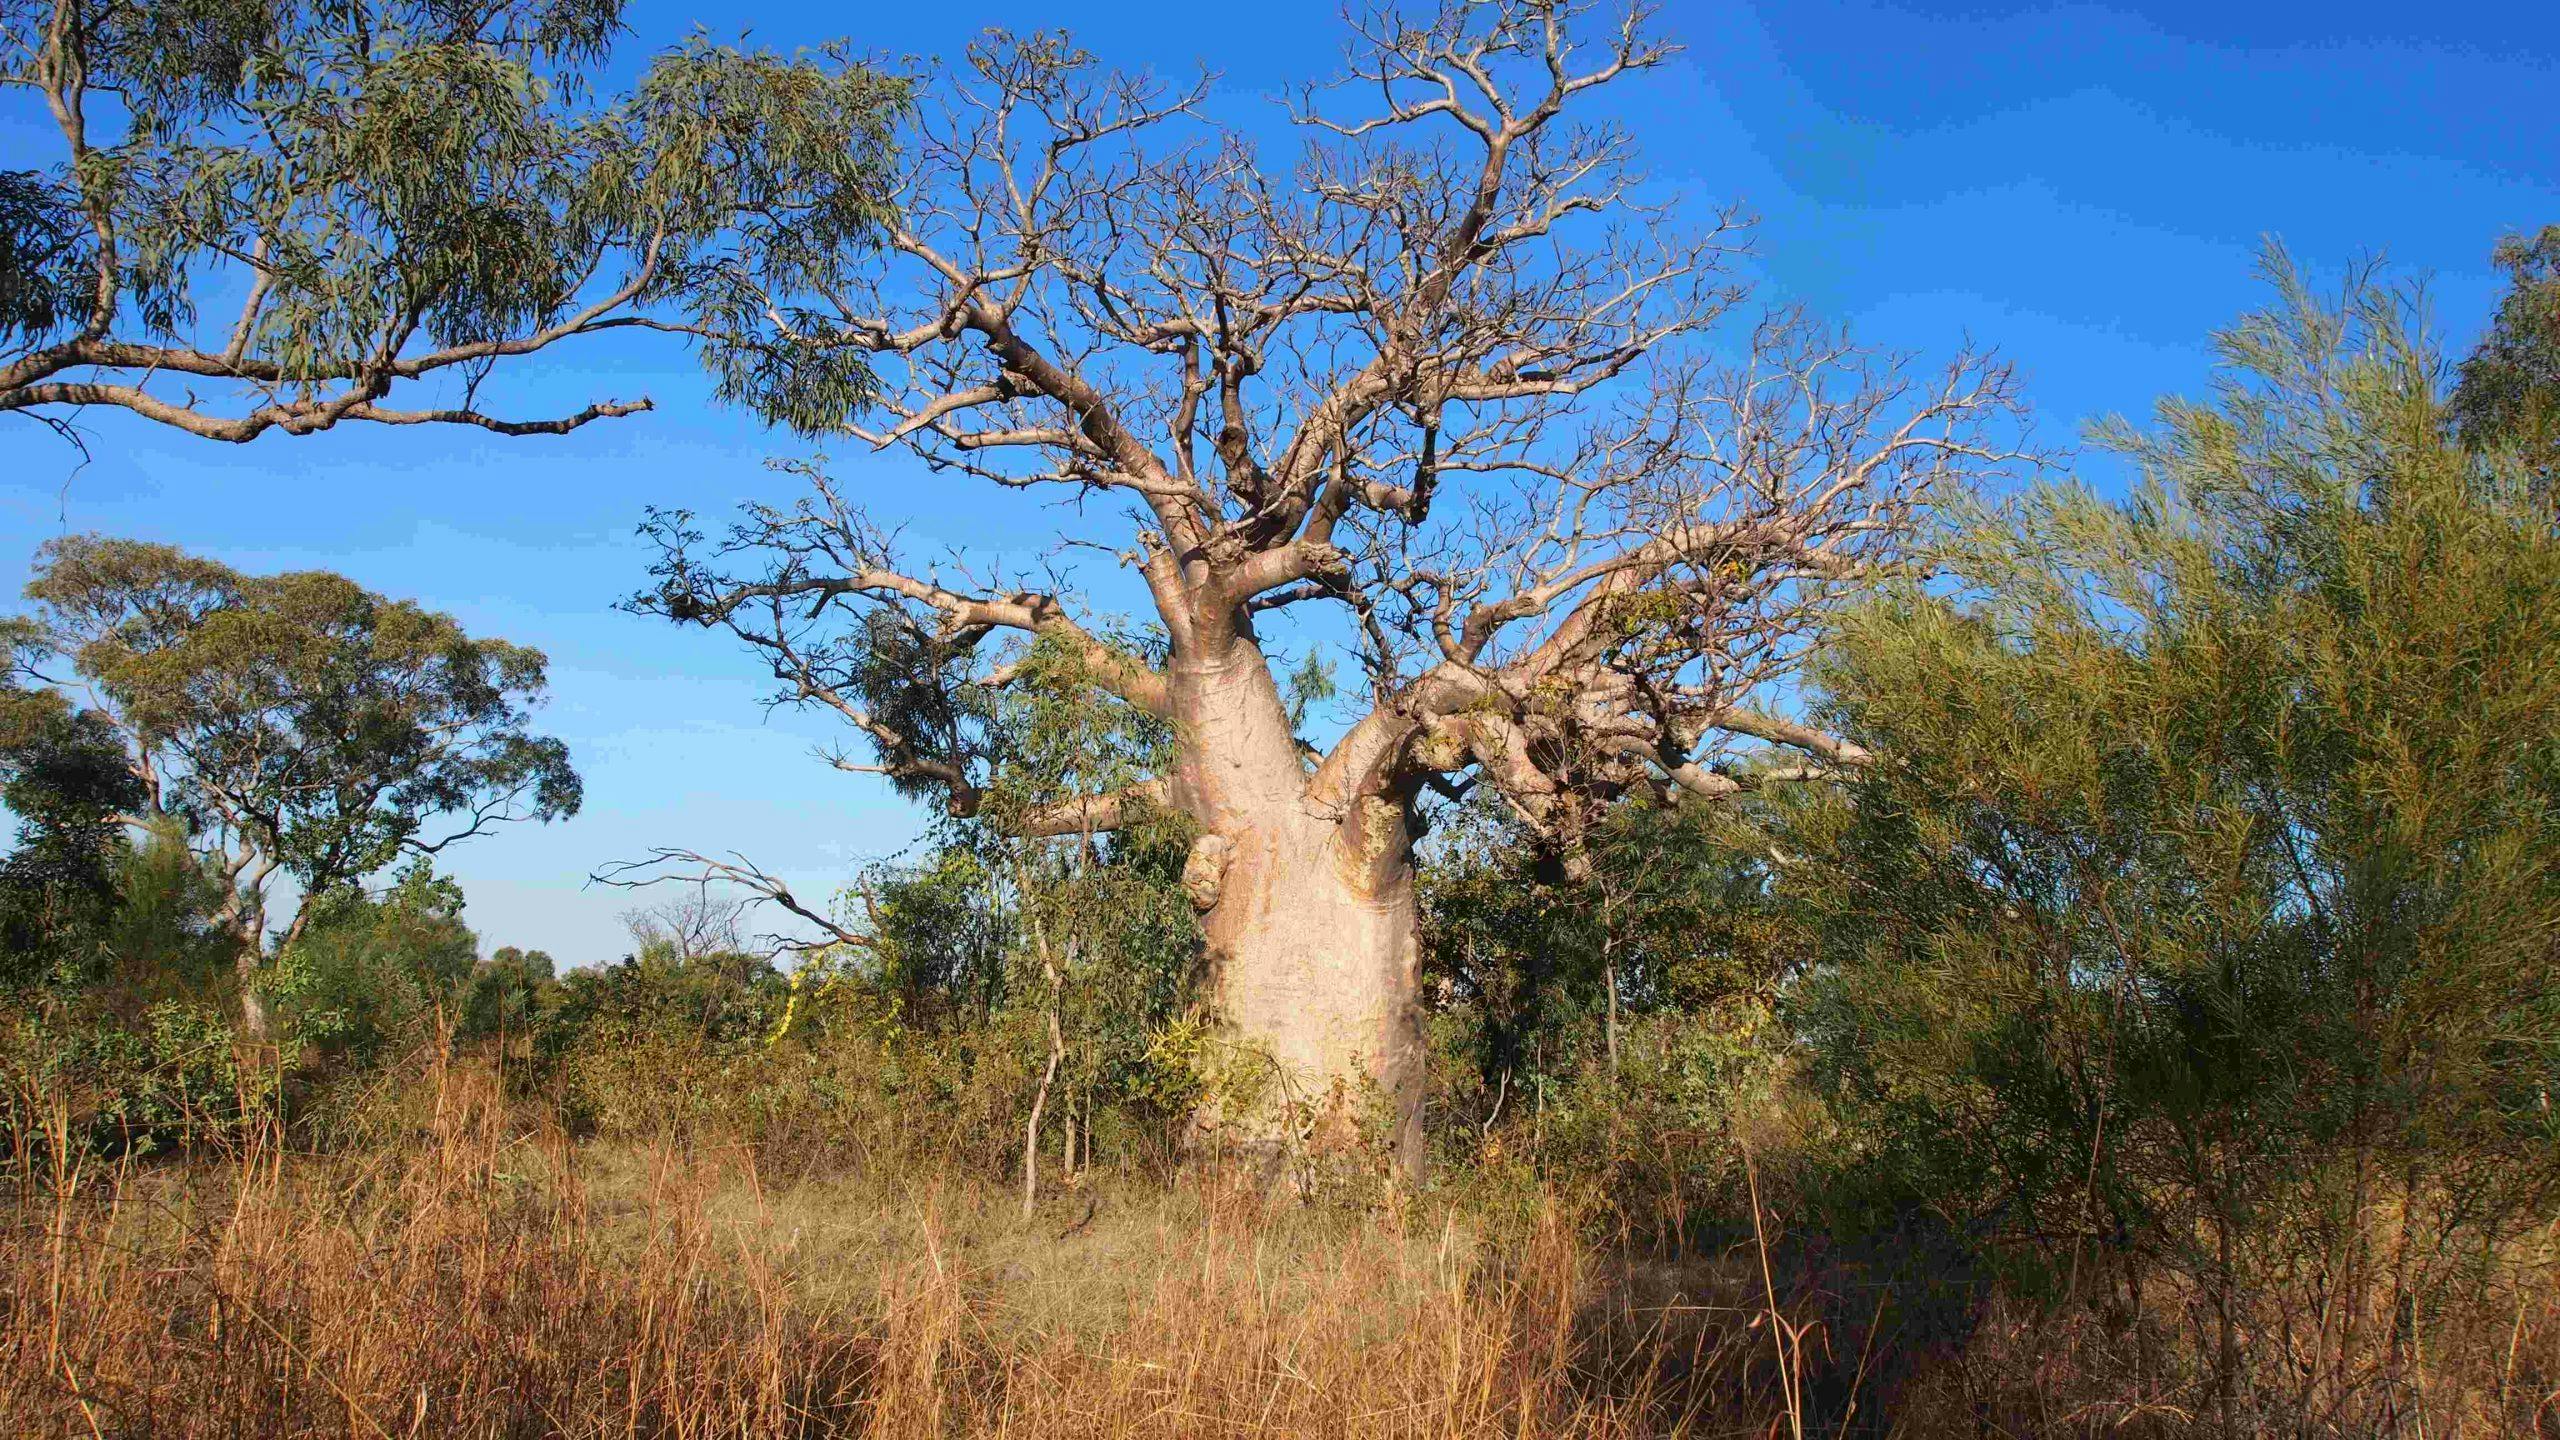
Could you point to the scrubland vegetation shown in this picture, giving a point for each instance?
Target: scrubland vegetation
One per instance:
(2158, 1040)
(1766, 908)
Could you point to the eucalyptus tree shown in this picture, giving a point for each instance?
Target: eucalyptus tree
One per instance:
(267, 215)
(295, 724)
(1451, 377)
(2509, 388)
(63, 777)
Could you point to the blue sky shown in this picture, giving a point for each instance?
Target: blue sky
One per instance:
(2081, 187)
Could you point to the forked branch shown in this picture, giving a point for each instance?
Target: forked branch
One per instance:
(667, 865)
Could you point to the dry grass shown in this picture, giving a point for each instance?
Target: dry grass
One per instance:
(2490, 1368)
(472, 1273)
(475, 1279)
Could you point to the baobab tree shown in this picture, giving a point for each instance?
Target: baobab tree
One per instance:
(1452, 378)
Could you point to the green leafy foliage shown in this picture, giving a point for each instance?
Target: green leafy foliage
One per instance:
(368, 972)
(72, 1072)
(1008, 942)
(662, 1043)
(406, 186)
(298, 721)
(161, 941)
(1018, 917)
(2198, 917)
(1606, 1025)
(63, 775)
(2509, 391)
(40, 258)
(508, 996)
(1668, 904)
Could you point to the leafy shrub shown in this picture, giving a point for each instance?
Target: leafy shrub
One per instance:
(2191, 946)
(84, 1076)
(367, 972)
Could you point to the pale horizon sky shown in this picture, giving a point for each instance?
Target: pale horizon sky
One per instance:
(2081, 187)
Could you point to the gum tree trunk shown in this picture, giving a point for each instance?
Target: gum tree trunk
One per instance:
(253, 1006)
(246, 922)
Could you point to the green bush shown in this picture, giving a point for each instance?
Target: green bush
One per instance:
(2191, 943)
(81, 1074)
(370, 973)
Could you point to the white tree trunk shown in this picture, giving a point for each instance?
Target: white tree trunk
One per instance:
(249, 929)
(253, 1008)
(1318, 969)
(1310, 920)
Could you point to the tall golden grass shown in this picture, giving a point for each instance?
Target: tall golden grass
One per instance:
(479, 1275)
(469, 1271)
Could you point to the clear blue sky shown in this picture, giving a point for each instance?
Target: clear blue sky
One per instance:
(2082, 187)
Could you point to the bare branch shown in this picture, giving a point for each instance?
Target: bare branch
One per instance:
(667, 865)
(1090, 814)
(1445, 367)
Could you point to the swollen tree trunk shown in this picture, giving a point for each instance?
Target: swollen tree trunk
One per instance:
(1317, 969)
(1309, 913)
(1683, 520)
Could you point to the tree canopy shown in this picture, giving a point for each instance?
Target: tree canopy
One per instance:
(63, 775)
(2201, 898)
(298, 722)
(273, 215)
(1451, 379)
(2509, 390)
(1448, 394)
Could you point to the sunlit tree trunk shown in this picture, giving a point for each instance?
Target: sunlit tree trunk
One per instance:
(1308, 912)
(244, 919)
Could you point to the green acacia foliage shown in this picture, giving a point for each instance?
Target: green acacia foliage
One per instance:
(1019, 916)
(159, 1079)
(66, 786)
(298, 722)
(950, 1005)
(942, 934)
(84, 904)
(161, 941)
(2201, 909)
(370, 971)
(1535, 1071)
(362, 195)
(1671, 907)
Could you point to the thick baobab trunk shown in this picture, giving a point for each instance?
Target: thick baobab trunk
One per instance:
(1309, 912)
(1317, 969)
